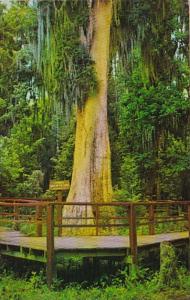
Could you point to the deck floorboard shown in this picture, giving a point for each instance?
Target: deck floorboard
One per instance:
(15, 238)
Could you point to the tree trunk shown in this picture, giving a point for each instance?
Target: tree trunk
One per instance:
(91, 178)
(159, 146)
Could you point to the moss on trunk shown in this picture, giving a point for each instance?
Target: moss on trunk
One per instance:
(91, 178)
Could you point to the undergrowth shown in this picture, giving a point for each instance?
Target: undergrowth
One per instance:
(133, 287)
(130, 283)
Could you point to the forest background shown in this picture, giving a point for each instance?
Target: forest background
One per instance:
(148, 103)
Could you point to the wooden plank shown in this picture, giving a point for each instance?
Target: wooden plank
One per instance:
(15, 238)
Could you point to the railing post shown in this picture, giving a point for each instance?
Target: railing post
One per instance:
(133, 233)
(151, 219)
(50, 244)
(39, 220)
(188, 216)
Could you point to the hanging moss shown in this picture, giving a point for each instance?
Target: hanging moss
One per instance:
(65, 64)
(146, 24)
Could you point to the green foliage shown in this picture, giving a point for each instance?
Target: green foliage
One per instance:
(67, 69)
(168, 276)
(152, 123)
(10, 164)
(174, 169)
(63, 160)
(15, 26)
(32, 186)
(160, 31)
(34, 288)
(27, 229)
(130, 181)
(23, 161)
(148, 95)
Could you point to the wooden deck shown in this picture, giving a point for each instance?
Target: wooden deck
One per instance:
(53, 249)
(14, 243)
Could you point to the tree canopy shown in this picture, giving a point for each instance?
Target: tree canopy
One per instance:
(46, 68)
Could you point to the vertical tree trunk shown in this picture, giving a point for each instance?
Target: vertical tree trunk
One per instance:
(91, 178)
(159, 146)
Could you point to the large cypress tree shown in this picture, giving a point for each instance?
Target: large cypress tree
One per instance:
(74, 62)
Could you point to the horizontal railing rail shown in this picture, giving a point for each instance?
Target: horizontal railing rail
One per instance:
(21, 200)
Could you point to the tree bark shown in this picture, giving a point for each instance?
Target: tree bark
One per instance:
(91, 178)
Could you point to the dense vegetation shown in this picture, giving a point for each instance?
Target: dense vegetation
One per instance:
(17, 289)
(171, 282)
(148, 102)
(47, 73)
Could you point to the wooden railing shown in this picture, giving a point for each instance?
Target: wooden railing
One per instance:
(132, 217)
(114, 218)
(23, 211)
